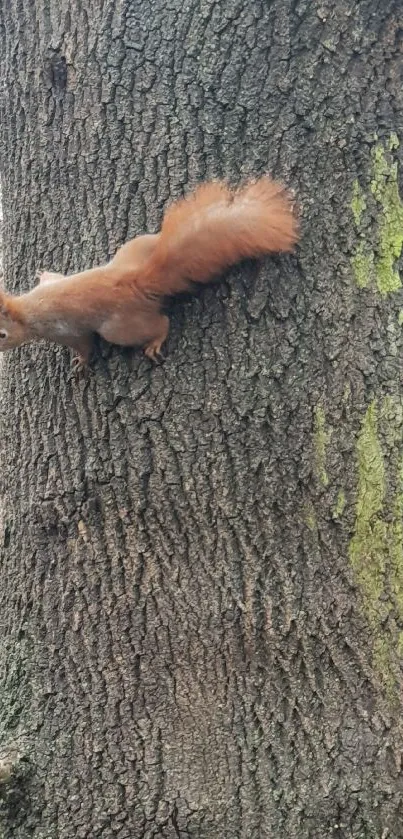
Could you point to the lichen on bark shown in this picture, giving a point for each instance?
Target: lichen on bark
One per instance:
(380, 242)
(376, 548)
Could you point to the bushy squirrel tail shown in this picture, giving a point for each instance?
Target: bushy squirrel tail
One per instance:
(215, 227)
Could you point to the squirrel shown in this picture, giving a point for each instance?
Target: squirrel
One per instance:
(201, 235)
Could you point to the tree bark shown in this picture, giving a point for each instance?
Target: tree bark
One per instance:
(202, 562)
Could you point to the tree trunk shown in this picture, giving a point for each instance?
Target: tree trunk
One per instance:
(202, 564)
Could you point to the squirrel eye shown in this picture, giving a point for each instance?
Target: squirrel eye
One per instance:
(3, 334)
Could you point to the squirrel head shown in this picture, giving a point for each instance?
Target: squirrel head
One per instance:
(13, 330)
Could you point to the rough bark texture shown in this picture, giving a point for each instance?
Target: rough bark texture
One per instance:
(201, 579)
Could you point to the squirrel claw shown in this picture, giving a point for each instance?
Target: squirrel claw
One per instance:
(154, 353)
(78, 365)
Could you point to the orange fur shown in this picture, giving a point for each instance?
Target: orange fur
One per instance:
(214, 228)
(201, 235)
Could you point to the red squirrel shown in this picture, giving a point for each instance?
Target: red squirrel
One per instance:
(201, 235)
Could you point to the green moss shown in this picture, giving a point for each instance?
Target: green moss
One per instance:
(363, 265)
(347, 393)
(376, 549)
(340, 504)
(330, 45)
(379, 249)
(384, 187)
(386, 666)
(400, 318)
(396, 553)
(321, 437)
(391, 418)
(394, 141)
(366, 548)
(358, 203)
(310, 517)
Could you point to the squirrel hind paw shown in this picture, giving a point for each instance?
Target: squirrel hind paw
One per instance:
(153, 349)
(153, 352)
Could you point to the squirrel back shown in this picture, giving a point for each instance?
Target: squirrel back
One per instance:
(215, 227)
